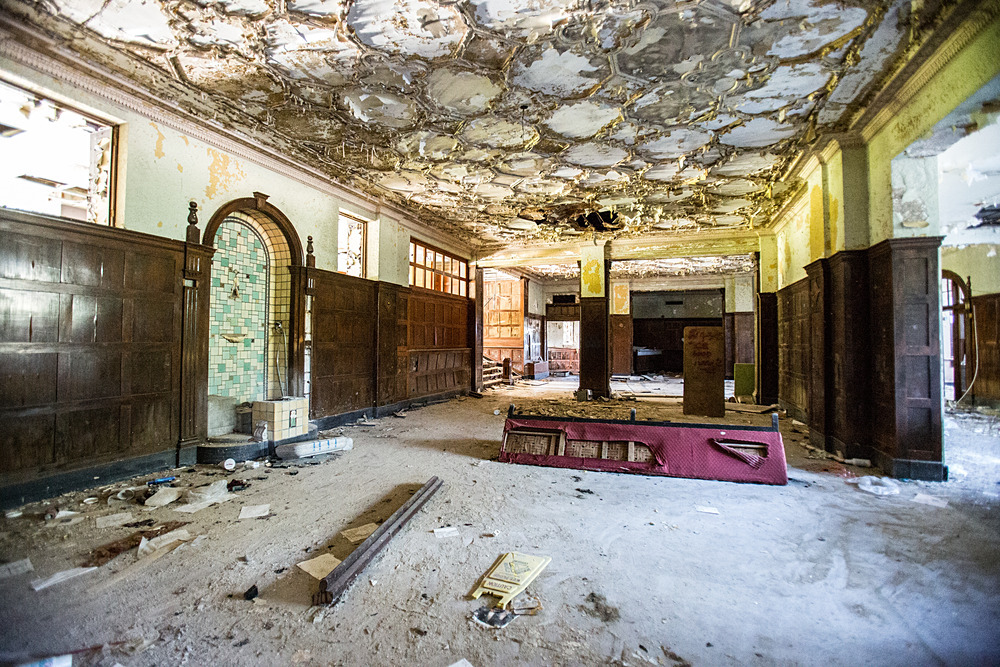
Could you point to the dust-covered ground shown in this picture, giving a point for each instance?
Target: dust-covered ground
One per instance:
(815, 572)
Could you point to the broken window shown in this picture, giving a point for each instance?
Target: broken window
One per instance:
(435, 269)
(351, 244)
(57, 160)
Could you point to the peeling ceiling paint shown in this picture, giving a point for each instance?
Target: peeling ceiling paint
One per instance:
(650, 268)
(676, 114)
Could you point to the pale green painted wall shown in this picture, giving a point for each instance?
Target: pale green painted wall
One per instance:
(833, 179)
(981, 262)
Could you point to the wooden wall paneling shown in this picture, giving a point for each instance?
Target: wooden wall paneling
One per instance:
(767, 346)
(819, 357)
(562, 312)
(729, 338)
(743, 324)
(793, 349)
(194, 346)
(296, 365)
(476, 333)
(906, 357)
(91, 326)
(849, 382)
(343, 354)
(621, 344)
(387, 345)
(666, 335)
(595, 354)
(987, 384)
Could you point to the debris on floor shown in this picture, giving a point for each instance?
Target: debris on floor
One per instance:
(59, 577)
(704, 509)
(16, 568)
(493, 617)
(300, 450)
(598, 607)
(933, 501)
(448, 531)
(359, 534)
(878, 486)
(254, 511)
(320, 566)
(510, 575)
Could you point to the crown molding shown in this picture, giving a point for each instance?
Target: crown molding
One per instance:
(30, 49)
(956, 32)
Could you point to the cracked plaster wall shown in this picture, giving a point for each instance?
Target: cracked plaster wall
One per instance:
(966, 73)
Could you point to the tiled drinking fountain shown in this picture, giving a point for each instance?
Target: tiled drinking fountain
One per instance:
(286, 419)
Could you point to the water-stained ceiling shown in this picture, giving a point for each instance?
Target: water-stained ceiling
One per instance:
(510, 120)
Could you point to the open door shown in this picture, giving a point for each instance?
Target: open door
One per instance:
(958, 347)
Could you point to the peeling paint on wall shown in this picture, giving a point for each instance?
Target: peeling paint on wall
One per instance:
(223, 173)
(158, 151)
(620, 299)
(592, 278)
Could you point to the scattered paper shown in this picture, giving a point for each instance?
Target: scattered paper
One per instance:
(164, 496)
(461, 663)
(254, 511)
(199, 499)
(359, 534)
(15, 568)
(113, 520)
(706, 510)
(59, 577)
(149, 547)
(320, 566)
(64, 522)
(450, 531)
(925, 499)
(54, 661)
(13, 514)
(64, 514)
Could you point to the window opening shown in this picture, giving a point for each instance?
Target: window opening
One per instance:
(351, 241)
(437, 270)
(57, 161)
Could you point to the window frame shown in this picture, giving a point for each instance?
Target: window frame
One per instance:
(118, 139)
(457, 277)
(354, 218)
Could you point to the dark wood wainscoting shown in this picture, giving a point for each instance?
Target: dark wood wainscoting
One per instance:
(621, 344)
(849, 332)
(793, 348)
(739, 340)
(987, 384)
(906, 378)
(343, 347)
(666, 335)
(96, 328)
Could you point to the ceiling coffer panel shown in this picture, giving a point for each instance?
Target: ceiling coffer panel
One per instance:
(654, 117)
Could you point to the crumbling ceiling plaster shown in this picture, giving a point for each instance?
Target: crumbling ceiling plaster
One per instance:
(678, 115)
(634, 269)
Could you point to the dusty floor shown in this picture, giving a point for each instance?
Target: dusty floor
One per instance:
(816, 572)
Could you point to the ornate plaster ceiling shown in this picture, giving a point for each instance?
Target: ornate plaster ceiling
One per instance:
(505, 120)
(651, 268)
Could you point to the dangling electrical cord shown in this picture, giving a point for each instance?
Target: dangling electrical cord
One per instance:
(277, 367)
(975, 337)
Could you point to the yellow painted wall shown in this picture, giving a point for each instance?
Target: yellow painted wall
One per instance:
(620, 299)
(833, 177)
(967, 72)
(768, 263)
(794, 241)
(592, 270)
(981, 262)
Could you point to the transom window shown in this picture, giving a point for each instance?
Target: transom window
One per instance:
(438, 270)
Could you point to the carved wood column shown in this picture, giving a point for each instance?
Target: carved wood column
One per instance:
(819, 352)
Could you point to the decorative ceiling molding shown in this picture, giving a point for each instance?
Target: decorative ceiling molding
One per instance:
(30, 49)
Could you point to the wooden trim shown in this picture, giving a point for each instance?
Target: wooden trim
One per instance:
(257, 203)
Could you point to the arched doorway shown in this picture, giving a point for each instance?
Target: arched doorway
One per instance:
(251, 320)
(958, 344)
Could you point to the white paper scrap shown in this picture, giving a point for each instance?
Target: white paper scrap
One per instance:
(148, 547)
(62, 514)
(925, 499)
(15, 568)
(59, 577)
(254, 511)
(320, 566)
(461, 663)
(706, 510)
(359, 534)
(450, 531)
(113, 520)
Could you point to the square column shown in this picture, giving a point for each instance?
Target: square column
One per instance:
(595, 320)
